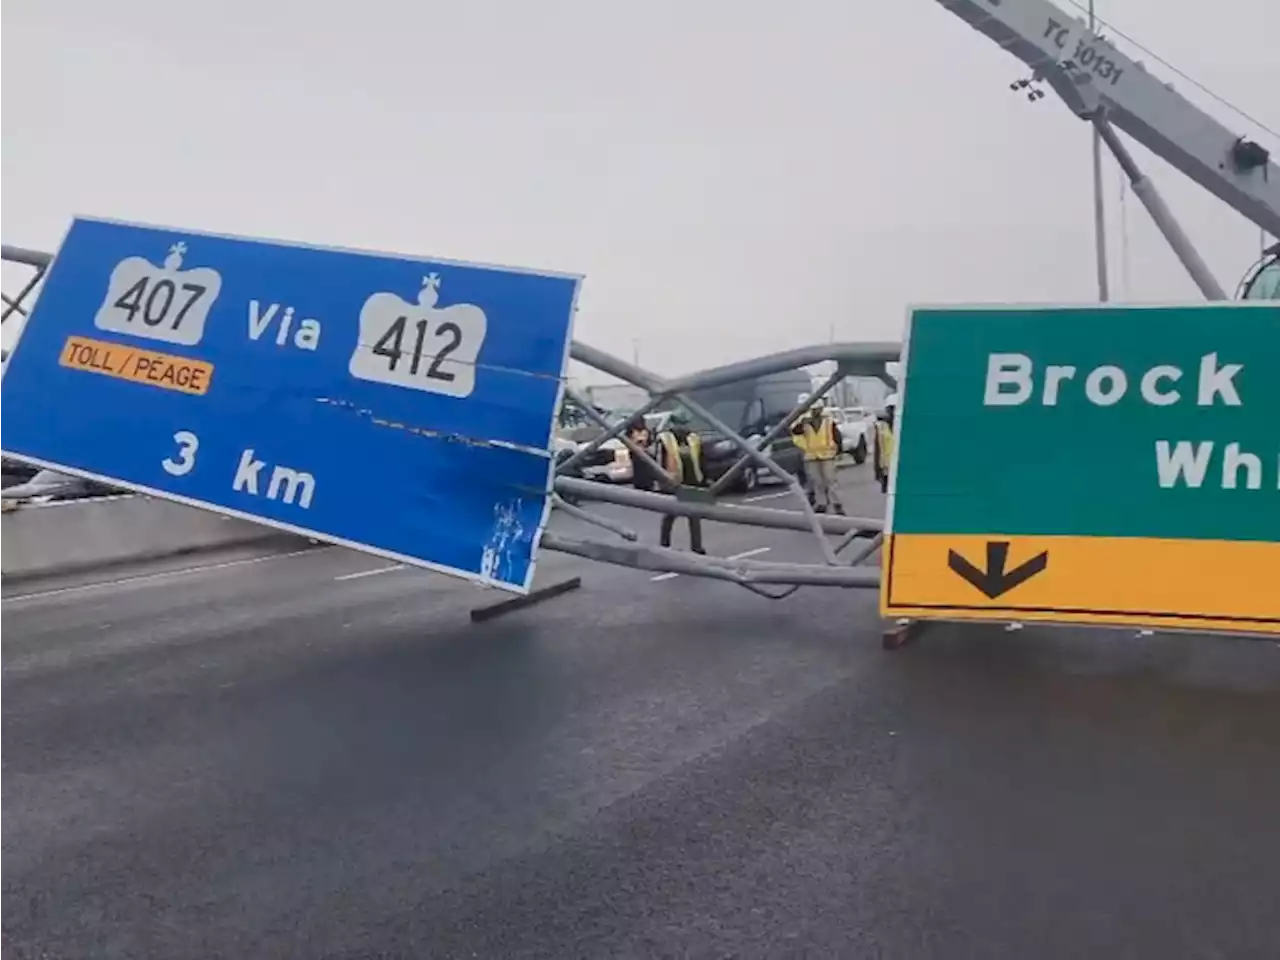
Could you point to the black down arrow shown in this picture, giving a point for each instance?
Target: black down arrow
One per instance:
(994, 581)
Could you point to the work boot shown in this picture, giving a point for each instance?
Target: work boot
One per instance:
(820, 508)
(840, 509)
(700, 551)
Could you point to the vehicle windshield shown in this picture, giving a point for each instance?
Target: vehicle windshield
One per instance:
(1265, 284)
(729, 412)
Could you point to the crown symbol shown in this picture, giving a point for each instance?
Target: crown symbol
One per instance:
(174, 260)
(429, 293)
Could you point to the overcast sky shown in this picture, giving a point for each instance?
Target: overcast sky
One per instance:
(731, 176)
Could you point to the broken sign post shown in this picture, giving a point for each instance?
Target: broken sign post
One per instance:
(392, 404)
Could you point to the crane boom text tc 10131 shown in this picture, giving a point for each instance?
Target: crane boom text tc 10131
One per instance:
(1095, 79)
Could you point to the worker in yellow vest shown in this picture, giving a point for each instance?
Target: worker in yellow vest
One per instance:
(680, 455)
(818, 438)
(884, 442)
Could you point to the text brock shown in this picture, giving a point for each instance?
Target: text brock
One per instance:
(1011, 382)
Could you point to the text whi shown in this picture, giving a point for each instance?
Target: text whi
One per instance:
(1190, 464)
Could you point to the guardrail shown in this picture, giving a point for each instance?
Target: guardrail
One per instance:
(72, 535)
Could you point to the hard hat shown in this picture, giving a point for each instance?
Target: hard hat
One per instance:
(891, 401)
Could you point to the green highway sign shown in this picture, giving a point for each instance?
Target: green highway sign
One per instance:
(1090, 464)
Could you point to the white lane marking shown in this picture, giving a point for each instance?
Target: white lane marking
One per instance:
(163, 575)
(737, 556)
(371, 573)
(766, 496)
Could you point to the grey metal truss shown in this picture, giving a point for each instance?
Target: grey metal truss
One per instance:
(39, 262)
(851, 359)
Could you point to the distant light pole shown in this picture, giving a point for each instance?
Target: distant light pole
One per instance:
(635, 352)
(1099, 210)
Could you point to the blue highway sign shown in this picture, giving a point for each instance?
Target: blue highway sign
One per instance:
(393, 404)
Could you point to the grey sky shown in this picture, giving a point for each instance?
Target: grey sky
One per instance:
(731, 178)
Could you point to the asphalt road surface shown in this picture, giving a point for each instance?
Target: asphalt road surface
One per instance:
(316, 754)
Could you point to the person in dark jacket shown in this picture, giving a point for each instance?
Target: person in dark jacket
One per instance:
(643, 476)
(680, 455)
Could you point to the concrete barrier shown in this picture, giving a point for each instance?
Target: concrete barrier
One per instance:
(73, 535)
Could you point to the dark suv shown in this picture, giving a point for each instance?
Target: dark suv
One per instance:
(753, 408)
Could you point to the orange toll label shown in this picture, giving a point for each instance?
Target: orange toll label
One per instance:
(150, 367)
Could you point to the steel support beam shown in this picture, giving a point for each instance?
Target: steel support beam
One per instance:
(617, 367)
(1164, 219)
(15, 304)
(612, 430)
(745, 572)
(718, 512)
(781, 428)
(586, 516)
(858, 359)
(766, 461)
(32, 258)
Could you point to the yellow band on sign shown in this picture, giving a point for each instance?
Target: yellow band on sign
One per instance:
(1218, 585)
(140, 366)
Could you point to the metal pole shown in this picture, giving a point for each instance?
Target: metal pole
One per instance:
(32, 258)
(766, 461)
(743, 572)
(610, 432)
(625, 532)
(778, 430)
(14, 304)
(1164, 219)
(744, 514)
(606, 362)
(1099, 208)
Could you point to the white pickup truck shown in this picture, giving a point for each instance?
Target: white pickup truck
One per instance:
(856, 425)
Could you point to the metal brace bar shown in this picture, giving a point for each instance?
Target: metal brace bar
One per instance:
(864, 527)
(15, 303)
(762, 458)
(778, 430)
(858, 359)
(865, 552)
(606, 362)
(32, 258)
(1164, 219)
(626, 533)
(665, 560)
(613, 430)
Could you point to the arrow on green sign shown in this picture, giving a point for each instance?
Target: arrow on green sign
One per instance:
(995, 581)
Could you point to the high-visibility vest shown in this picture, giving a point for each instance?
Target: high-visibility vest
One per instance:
(884, 444)
(819, 443)
(673, 456)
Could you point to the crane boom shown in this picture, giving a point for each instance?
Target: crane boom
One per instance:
(1095, 79)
